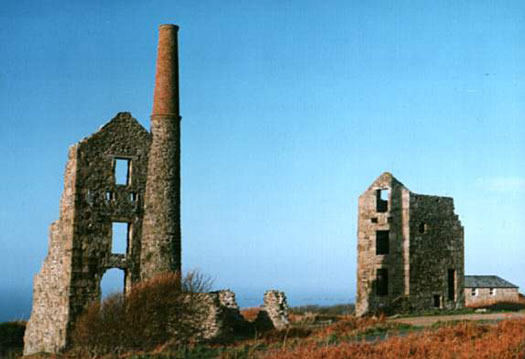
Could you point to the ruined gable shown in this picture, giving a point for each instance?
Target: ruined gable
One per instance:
(80, 243)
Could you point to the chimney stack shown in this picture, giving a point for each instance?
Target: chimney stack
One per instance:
(166, 96)
(161, 232)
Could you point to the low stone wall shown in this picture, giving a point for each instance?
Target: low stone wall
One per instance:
(222, 318)
(276, 307)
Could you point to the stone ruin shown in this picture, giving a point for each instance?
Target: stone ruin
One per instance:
(410, 252)
(274, 311)
(224, 320)
(96, 199)
(123, 175)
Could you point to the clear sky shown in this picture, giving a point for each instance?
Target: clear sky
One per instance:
(290, 110)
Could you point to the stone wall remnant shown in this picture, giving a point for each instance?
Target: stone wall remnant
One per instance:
(274, 311)
(410, 250)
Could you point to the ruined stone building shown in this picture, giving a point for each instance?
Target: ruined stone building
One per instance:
(410, 250)
(488, 289)
(96, 199)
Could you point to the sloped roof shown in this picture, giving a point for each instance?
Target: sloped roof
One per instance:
(487, 281)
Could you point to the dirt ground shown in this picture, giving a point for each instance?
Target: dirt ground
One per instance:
(429, 320)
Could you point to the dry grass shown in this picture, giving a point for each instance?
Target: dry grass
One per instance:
(506, 340)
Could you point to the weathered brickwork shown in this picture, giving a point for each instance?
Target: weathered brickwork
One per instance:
(410, 250)
(80, 246)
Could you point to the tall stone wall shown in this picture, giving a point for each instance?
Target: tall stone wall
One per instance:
(80, 247)
(399, 268)
(391, 218)
(436, 247)
(47, 328)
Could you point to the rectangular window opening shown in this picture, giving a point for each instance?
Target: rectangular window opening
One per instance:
(122, 171)
(382, 242)
(451, 284)
(120, 237)
(109, 196)
(492, 291)
(381, 200)
(437, 301)
(382, 281)
(474, 292)
(373, 220)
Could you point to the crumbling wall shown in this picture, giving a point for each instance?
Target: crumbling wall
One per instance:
(274, 311)
(409, 245)
(80, 247)
(46, 329)
(436, 247)
(223, 317)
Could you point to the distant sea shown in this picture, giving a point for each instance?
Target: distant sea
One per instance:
(16, 305)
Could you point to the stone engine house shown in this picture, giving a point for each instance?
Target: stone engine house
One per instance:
(123, 176)
(410, 251)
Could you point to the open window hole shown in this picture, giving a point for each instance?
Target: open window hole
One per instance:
(382, 200)
(122, 171)
(120, 237)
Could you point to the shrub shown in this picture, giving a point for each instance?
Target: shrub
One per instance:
(166, 310)
(11, 339)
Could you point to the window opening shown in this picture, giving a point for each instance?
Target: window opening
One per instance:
(382, 200)
(422, 227)
(382, 281)
(109, 196)
(120, 237)
(451, 284)
(437, 301)
(492, 291)
(382, 242)
(112, 282)
(474, 292)
(122, 173)
(133, 197)
(373, 220)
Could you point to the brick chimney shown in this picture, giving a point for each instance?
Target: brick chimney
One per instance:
(161, 232)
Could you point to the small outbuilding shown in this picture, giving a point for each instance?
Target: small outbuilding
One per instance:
(488, 289)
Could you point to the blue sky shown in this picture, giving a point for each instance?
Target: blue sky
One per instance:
(290, 110)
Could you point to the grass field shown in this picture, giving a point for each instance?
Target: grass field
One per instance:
(330, 333)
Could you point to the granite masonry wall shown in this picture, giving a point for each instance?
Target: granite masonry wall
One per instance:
(81, 241)
(409, 250)
(276, 308)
